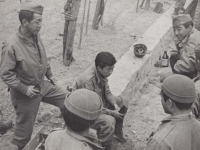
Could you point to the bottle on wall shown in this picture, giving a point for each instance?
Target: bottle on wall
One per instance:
(165, 59)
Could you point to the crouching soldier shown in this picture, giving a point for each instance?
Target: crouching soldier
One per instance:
(110, 122)
(82, 108)
(183, 59)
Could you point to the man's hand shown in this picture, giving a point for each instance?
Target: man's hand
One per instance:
(117, 115)
(52, 80)
(31, 92)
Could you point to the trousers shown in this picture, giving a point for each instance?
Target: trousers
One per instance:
(26, 109)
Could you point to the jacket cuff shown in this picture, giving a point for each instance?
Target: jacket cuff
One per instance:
(22, 88)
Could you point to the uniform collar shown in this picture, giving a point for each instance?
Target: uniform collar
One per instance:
(178, 118)
(24, 38)
(85, 136)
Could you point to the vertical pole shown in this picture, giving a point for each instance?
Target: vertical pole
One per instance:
(88, 17)
(137, 6)
(82, 24)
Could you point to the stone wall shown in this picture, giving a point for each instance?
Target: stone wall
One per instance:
(130, 71)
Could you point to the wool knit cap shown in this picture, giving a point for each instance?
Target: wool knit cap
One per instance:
(84, 103)
(33, 7)
(179, 88)
(181, 19)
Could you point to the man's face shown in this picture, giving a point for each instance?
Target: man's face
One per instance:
(35, 24)
(181, 32)
(106, 71)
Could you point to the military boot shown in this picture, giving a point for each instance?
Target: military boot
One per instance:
(119, 131)
(5, 126)
(107, 145)
(119, 126)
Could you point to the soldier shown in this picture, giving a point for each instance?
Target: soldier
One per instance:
(180, 131)
(23, 67)
(183, 59)
(82, 108)
(95, 79)
(179, 7)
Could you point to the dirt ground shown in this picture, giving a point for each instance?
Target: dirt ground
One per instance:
(120, 21)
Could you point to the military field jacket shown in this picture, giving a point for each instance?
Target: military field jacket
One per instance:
(180, 132)
(186, 49)
(91, 80)
(23, 63)
(66, 139)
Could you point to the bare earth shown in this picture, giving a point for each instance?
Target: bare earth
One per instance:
(120, 21)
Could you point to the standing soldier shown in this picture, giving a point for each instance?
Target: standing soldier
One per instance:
(180, 131)
(82, 108)
(183, 60)
(23, 67)
(110, 122)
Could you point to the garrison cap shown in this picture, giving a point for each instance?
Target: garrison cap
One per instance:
(181, 19)
(33, 7)
(84, 103)
(179, 88)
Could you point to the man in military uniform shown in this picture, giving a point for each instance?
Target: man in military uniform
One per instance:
(23, 67)
(82, 108)
(95, 79)
(179, 7)
(180, 131)
(183, 59)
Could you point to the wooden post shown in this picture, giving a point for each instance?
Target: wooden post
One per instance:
(72, 6)
(88, 17)
(142, 3)
(147, 4)
(158, 7)
(103, 13)
(98, 14)
(137, 5)
(82, 24)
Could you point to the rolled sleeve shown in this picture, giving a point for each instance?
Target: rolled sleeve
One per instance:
(7, 69)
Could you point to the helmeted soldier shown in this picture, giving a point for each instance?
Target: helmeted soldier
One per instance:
(82, 108)
(179, 131)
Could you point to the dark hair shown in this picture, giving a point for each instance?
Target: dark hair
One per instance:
(181, 106)
(25, 14)
(187, 24)
(104, 59)
(74, 122)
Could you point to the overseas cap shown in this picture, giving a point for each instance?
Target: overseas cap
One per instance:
(179, 88)
(84, 103)
(181, 19)
(33, 7)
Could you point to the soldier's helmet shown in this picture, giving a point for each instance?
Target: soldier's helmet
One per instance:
(179, 88)
(84, 103)
(140, 50)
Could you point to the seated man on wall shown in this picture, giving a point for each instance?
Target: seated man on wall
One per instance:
(95, 79)
(180, 131)
(82, 108)
(182, 60)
